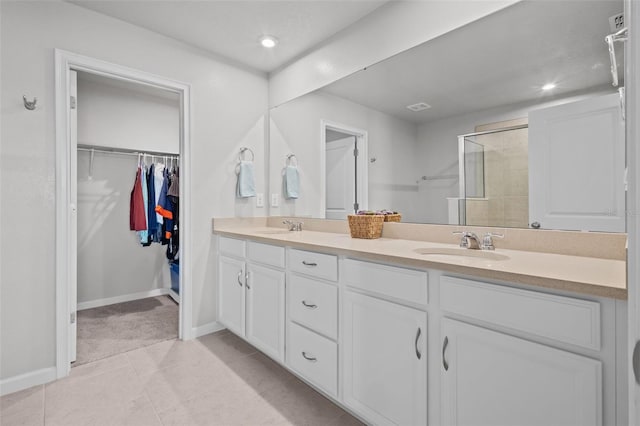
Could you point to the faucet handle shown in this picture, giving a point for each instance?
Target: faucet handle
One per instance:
(487, 240)
(464, 241)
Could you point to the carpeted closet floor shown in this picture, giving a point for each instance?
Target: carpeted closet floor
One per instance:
(122, 327)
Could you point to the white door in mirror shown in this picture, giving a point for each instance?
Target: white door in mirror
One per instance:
(576, 166)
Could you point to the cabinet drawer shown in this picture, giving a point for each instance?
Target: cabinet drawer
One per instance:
(314, 264)
(265, 253)
(560, 318)
(405, 284)
(231, 246)
(314, 304)
(313, 357)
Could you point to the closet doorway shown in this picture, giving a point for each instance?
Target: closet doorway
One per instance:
(344, 170)
(131, 120)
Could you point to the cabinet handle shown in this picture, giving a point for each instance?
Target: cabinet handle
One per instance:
(246, 280)
(305, 263)
(312, 306)
(445, 364)
(418, 333)
(239, 275)
(636, 361)
(308, 358)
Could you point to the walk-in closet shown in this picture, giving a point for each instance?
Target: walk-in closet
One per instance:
(128, 224)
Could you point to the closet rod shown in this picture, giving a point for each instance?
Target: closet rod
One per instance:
(126, 151)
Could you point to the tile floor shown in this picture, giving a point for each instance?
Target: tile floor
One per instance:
(217, 379)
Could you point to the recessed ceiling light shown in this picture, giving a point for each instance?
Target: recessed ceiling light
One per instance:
(268, 41)
(548, 86)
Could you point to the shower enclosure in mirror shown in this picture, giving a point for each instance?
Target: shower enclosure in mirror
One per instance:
(541, 64)
(494, 176)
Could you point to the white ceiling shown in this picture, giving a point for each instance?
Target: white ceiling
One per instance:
(502, 59)
(232, 28)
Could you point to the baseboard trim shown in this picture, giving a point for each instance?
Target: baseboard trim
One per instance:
(27, 380)
(124, 298)
(212, 327)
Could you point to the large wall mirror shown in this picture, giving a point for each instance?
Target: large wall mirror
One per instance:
(510, 121)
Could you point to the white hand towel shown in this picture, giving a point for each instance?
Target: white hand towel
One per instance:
(246, 186)
(291, 182)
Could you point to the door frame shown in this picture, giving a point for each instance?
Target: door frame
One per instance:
(632, 91)
(362, 139)
(66, 61)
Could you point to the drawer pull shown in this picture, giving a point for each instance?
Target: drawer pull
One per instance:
(309, 358)
(310, 306)
(239, 275)
(418, 333)
(445, 364)
(305, 263)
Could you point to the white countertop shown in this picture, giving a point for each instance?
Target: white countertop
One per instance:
(586, 275)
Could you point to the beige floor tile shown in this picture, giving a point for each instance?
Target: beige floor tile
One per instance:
(226, 346)
(115, 397)
(166, 354)
(299, 404)
(348, 420)
(238, 407)
(260, 373)
(180, 383)
(23, 408)
(99, 367)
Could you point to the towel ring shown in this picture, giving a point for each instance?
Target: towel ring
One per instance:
(289, 160)
(243, 150)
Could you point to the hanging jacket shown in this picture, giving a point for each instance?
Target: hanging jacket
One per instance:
(137, 218)
(158, 179)
(152, 221)
(144, 234)
(166, 207)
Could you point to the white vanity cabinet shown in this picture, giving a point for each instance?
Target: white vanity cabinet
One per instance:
(495, 378)
(312, 306)
(252, 293)
(496, 354)
(384, 372)
(491, 378)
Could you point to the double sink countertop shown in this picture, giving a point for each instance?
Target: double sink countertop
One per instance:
(579, 274)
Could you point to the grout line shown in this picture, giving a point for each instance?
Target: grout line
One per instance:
(153, 407)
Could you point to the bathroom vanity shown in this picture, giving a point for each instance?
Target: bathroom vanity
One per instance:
(403, 331)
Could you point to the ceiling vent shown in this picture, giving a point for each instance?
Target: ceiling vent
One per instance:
(420, 106)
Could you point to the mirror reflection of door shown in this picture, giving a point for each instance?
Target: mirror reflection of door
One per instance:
(341, 175)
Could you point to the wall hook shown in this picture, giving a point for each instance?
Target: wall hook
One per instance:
(30, 105)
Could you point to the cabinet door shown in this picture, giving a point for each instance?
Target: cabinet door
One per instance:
(385, 355)
(231, 294)
(490, 378)
(265, 310)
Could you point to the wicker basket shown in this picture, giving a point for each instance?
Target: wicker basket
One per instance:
(367, 226)
(392, 217)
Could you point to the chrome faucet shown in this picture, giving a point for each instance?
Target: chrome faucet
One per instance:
(469, 240)
(293, 226)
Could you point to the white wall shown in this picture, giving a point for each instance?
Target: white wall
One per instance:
(228, 107)
(295, 127)
(125, 116)
(438, 151)
(388, 30)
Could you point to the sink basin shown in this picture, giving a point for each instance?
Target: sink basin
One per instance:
(274, 231)
(462, 252)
